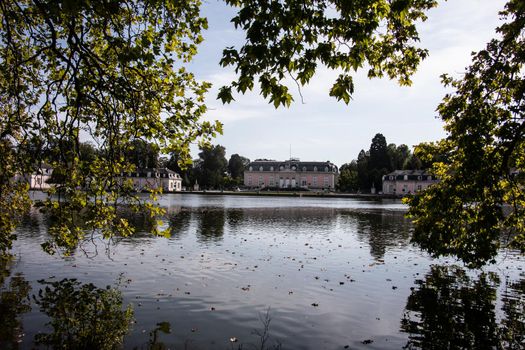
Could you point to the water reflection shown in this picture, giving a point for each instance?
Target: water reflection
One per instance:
(211, 224)
(451, 309)
(381, 230)
(235, 218)
(82, 316)
(14, 301)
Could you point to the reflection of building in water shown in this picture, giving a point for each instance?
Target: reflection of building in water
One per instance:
(154, 178)
(407, 181)
(40, 179)
(291, 174)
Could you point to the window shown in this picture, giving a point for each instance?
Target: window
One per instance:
(304, 168)
(294, 167)
(303, 181)
(326, 181)
(281, 167)
(272, 181)
(249, 180)
(405, 178)
(251, 168)
(391, 178)
(419, 187)
(271, 168)
(261, 182)
(315, 181)
(260, 168)
(419, 177)
(315, 168)
(325, 169)
(429, 178)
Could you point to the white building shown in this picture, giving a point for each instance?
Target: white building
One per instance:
(39, 180)
(153, 178)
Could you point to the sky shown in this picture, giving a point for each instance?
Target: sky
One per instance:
(321, 128)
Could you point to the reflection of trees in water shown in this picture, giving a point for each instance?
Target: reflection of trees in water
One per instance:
(512, 330)
(235, 218)
(82, 316)
(179, 222)
(210, 224)
(381, 230)
(451, 310)
(14, 301)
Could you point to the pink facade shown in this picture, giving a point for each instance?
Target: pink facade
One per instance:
(291, 174)
(403, 182)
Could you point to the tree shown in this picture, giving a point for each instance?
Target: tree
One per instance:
(399, 156)
(212, 167)
(236, 166)
(379, 162)
(348, 180)
(362, 171)
(142, 154)
(479, 203)
(113, 71)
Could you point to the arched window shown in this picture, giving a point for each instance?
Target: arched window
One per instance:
(260, 168)
(281, 167)
(271, 168)
(294, 167)
(315, 168)
(304, 168)
(251, 168)
(326, 169)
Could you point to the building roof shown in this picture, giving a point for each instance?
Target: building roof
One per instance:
(143, 172)
(410, 174)
(293, 165)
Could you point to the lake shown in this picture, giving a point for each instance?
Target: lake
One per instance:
(243, 272)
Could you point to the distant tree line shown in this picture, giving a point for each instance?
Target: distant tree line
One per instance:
(366, 172)
(211, 170)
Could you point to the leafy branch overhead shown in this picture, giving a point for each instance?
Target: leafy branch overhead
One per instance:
(292, 39)
(112, 72)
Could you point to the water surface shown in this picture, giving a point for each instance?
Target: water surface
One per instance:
(320, 273)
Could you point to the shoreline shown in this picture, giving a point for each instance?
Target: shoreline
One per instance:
(293, 194)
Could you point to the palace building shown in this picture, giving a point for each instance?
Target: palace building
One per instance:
(291, 174)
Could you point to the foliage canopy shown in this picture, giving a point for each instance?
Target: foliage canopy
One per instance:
(109, 71)
(291, 39)
(479, 204)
